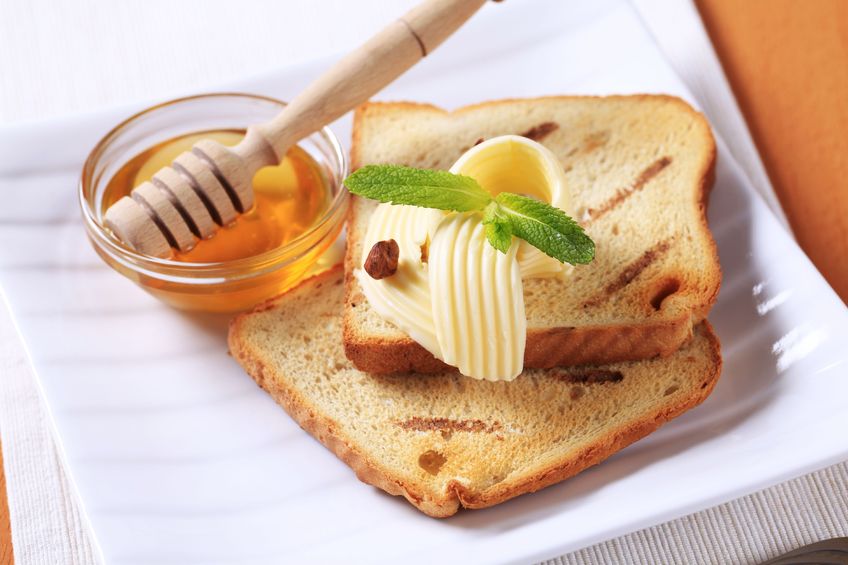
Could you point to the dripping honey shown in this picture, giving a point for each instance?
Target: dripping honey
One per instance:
(291, 203)
(289, 198)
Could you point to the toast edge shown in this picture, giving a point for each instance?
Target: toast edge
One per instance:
(594, 454)
(442, 505)
(545, 347)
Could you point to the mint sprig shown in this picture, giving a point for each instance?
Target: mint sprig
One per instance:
(498, 227)
(543, 226)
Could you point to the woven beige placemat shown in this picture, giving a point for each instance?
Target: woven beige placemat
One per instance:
(747, 530)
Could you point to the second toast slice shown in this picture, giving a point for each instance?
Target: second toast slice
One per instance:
(447, 441)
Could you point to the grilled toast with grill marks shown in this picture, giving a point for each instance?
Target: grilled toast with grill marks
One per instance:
(639, 169)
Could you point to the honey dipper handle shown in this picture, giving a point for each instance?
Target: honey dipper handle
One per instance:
(365, 71)
(212, 184)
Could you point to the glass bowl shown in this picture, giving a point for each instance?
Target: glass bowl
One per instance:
(211, 287)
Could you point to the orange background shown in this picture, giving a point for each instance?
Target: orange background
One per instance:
(787, 61)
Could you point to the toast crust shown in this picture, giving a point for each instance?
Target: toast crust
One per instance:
(545, 347)
(333, 436)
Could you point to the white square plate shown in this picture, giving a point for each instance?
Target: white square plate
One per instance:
(180, 458)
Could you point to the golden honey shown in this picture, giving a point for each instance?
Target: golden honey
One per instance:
(290, 199)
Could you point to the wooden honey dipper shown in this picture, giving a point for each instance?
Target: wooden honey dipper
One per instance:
(209, 186)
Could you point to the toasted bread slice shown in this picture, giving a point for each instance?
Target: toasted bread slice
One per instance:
(639, 169)
(445, 441)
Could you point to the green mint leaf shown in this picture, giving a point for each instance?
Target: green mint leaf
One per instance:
(499, 235)
(498, 227)
(547, 228)
(418, 187)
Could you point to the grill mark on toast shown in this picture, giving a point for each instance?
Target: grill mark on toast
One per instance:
(467, 147)
(633, 270)
(590, 376)
(595, 140)
(541, 131)
(421, 424)
(623, 194)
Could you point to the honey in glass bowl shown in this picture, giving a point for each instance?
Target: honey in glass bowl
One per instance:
(288, 198)
(292, 230)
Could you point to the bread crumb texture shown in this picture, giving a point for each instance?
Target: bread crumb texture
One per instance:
(445, 441)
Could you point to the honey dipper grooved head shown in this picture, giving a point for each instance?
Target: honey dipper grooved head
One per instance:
(203, 189)
(134, 226)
